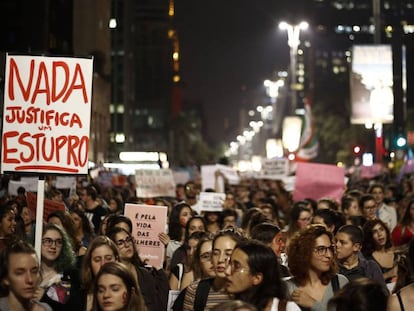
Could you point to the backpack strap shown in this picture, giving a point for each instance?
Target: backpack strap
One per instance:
(180, 274)
(282, 305)
(201, 295)
(335, 283)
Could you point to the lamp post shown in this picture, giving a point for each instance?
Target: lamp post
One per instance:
(293, 32)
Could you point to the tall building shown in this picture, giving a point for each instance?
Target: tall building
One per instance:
(145, 75)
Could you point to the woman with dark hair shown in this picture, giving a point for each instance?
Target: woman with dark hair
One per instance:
(214, 221)
(82, 226)
(60, 278)
(117, 290)
(329, 218)
(299, 217)
(378, 246)
(177, 222)
(201, 266)
(205, 294)
(403, 297)
(120, 221)
(253, 275)
(194, 224)
(115, 206)
(7, 221)
(362, 294)
(154, 291)
(404, 231)
(312, 263)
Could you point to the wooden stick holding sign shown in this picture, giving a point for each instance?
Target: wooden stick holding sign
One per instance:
(39, 216)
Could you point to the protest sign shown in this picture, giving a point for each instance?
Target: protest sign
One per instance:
(147, 222)
(154, 183)
(211, 202)
(318, 180)
(274, 169)
(46, 117)
(49, 206)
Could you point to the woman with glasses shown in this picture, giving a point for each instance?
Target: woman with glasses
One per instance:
(253, 276)
(201, 266)
(312, 263)
(100, 251)
(60, 278)
(207, 293)
(117, 290)
(155, 299)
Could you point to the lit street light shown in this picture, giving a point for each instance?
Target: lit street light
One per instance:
(293, 32)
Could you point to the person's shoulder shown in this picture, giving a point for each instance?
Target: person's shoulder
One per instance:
(342, 279)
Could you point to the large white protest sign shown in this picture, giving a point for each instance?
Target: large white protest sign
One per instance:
(154, 183)
(46, 117)
(274, 169)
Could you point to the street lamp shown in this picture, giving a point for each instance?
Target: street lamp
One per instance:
(293, 32)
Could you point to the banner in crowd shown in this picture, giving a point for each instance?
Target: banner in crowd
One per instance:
(147, 222)
(274, 169)
(211, 202)
(154, 183)
(212, 176)
(46, 117)
(317, 181)
(49, 206)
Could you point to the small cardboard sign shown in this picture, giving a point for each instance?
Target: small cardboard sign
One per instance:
(211, 201)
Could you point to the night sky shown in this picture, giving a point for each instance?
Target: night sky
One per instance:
(228, 48)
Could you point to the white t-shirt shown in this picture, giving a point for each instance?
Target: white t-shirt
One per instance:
(290, 306)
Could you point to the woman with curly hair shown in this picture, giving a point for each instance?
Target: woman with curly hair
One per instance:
(117, 290)
(60, 278)
(312, 263)
(378, 246)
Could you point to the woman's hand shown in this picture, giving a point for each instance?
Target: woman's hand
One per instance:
(302, 298)
(164, 238)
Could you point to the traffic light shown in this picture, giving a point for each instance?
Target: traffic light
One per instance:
(400, 141)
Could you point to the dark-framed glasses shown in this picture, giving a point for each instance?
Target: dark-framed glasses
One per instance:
(323, 250)
(123, 243)
(50, 242)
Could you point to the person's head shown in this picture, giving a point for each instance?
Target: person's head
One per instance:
(100, 251)
(312, 248)
(126, 245)
(56, 248)
(116, 289)
(7, 221)
(191, 189)
(253, 274)
(202, 265)
(26, 214)
(368, 206)
(405, 273)
(19, 271)
(230, 218)
(362, 294)
(329, 218)
(271, 235)
(300, 216)
(270, 211)
(377, 191)
(349, 239)
(115, 205)
(80, 221)
(195, 223)
(180, 214)
(252, 218)
(377, 236)
(223, 244)
(120, 221)
(350, 206)
(327, 203)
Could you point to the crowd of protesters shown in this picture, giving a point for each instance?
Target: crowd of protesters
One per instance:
(263, 251)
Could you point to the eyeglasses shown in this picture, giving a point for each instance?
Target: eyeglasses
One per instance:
(236, 267)
(50, 242)
(370, 207)
(123, 243)
(322, 250)
(205, 257)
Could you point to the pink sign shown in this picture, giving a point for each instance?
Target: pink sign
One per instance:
(318, 181)
(147, 222)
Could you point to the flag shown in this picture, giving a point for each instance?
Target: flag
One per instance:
(309, 145)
